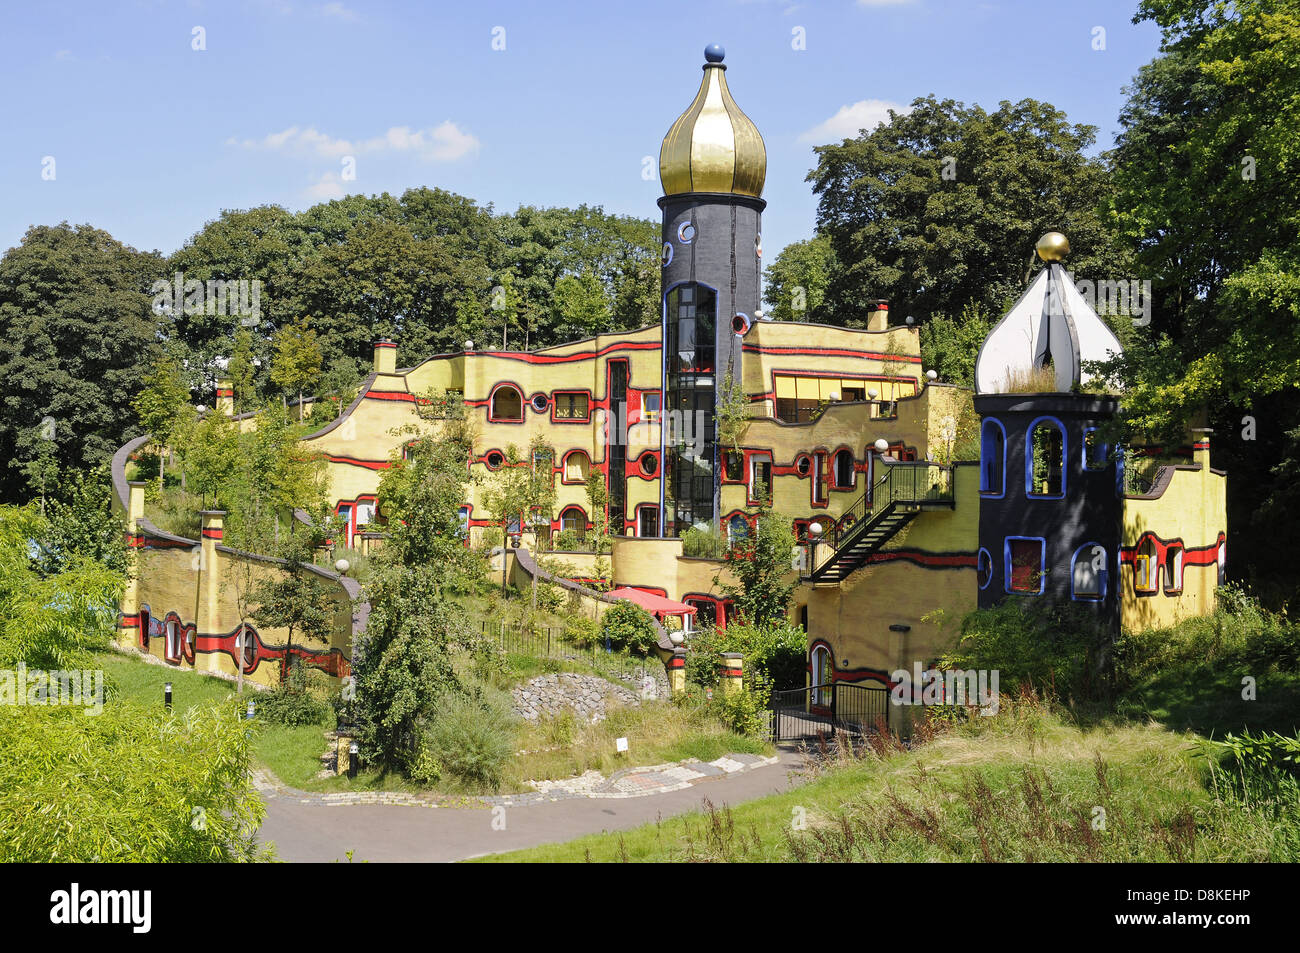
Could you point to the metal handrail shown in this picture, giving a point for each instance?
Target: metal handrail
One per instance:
(905, 482)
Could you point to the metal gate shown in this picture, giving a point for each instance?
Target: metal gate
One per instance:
(819, 711)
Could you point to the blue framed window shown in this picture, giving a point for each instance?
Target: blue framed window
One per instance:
(1089, 573)
(1024, 561)
(984, 568)
(1095, 453)
(1045, 456)
(993, 459)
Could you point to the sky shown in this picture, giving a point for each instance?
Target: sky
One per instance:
(147, 118)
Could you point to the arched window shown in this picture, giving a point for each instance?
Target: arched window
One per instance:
(576, 466)
(993, 458)
(1089, 573)
(737, 529)
(1146, 566)
(822, 672)
(1174, 568)
(844, 475)
(574, 519)
(984, 568)
(507, 404)
(1045, 459)
(1221, 561)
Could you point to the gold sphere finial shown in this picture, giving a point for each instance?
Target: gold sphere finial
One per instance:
(1053, 246)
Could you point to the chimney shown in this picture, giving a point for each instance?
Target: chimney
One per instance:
(1201, 447)
(879, 320)
(226, 397)
(385, 356)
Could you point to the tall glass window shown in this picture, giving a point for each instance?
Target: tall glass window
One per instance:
(691, 381)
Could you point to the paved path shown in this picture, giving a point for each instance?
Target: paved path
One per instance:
(396, 827)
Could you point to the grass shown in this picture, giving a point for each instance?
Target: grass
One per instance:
(1026, 785)
(657, 732)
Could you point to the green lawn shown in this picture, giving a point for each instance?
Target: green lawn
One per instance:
(1024, 786)
(657, 732)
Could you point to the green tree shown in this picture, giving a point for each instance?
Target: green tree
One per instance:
(760, 560)
(942, 206)
(1208, 198)
(297, 362)
(581, 306)
(403, 662)
(160, 404)
(796, 282)
(76, 327)
(242, 368)
(296, 599)
(950, 345)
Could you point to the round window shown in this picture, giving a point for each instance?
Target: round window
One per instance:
(539, 403)
(667, 255)
(649, 465)
(758, 245)
(494, 460)
(803, 465)
(984, 569)
(686, 233)
(740, 324)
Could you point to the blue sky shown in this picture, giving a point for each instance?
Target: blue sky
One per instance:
(151, 138)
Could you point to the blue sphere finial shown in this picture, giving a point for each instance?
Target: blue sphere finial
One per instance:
(714, 52)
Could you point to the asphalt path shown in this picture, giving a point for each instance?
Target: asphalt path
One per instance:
(395, 833)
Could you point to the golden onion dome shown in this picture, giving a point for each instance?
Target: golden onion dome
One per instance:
(713, 146)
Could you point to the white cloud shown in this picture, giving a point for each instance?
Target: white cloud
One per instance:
(326, 188)
(442, 143)
(339, 12)
(845, 124)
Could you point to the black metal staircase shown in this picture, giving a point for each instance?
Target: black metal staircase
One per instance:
(875, 518)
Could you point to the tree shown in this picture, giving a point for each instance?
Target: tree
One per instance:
(942, 206)
(795, 284)
(242, 368)
(403, 661)
(1208, 199)
(212, 457)
(298, 357)
(159, 406)
(760, 561)
(75, 331)
(296, 599)
(581, 306)
(950, 345)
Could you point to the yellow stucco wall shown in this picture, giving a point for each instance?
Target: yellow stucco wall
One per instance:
(1192, 509)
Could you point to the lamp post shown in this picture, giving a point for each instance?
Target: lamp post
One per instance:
(167, 696)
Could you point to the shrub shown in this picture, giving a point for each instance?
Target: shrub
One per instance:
(295, 701)
(626, 624)
(707, 543)
(746, 712)
(469, 739)
(1054, 648)
(778, 651)
(581, 631)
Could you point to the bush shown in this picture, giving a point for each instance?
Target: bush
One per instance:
(1053, 648)
(626, 624)
(746, 712)
(777, 651)
(1238, 633)
(707, 543)
(469, 739)
(582, 631)
(294, 702)
(127, 785)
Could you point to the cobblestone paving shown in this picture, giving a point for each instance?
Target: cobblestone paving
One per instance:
(629, 782)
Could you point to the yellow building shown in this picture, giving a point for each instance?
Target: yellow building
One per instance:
(847, 436)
